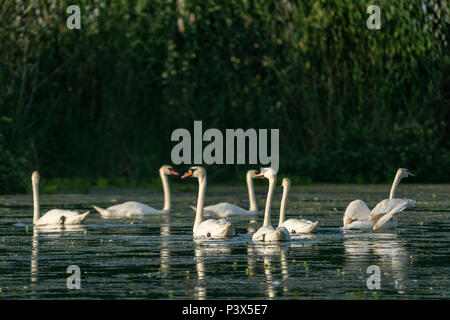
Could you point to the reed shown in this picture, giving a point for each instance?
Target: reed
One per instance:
(352, 104)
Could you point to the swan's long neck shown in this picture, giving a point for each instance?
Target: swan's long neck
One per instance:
(251, 193)
(166, 188)
(272, 183)
(395, 184)
(283, 205)
(200, 201)
(36, 213)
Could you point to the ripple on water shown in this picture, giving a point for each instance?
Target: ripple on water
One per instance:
(156, 257)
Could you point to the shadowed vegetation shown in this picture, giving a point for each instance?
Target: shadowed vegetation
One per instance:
(352, 104)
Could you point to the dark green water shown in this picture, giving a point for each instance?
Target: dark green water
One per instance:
(156, 258)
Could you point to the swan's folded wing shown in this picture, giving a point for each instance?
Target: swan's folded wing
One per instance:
(390, 206)
(383, 220)
(357, 210)
(206, 212)
(128, 206)
(54, 216)
(224, 209)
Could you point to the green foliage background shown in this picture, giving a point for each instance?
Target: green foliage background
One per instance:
(352, 104)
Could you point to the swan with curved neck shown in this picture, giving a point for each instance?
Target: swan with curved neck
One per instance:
(133, 209)
(211, 228)
(267, 233)
(55, 216)
(293, 225)
(226, 209)
(357, 216)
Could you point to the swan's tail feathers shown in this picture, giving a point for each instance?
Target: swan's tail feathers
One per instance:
(228, 230)
(383, 220)
(411, 203)
(313, 227)
(279, 233)
(104, 213)
(83, 216)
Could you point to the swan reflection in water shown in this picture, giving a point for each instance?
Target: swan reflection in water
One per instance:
(35, 256)
(251, 261)
(205, 249)
(270, 252)
(49, 231)
(164, 248)
(382, 249)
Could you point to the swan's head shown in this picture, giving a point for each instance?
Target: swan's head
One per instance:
(168, 170)
(252, 174)
(286, 183)
(35, 176)
(267, 173)
(195, 172)
(404, 173)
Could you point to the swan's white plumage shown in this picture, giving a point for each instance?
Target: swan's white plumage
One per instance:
(214, 229)
(380, 216)
(57, 216)
(267, 233)
(134, 209)
(294, 226)
(225, 210)
(387, 209)
(300, 225)
(390, 206)
(260, 234)
(357, 210)
(357, 215)
(271, 234)
(211, 228)
(129, 209)
(280, 234)
(359, 225)
(383, 221)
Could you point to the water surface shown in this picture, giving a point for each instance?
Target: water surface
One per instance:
(156, 257)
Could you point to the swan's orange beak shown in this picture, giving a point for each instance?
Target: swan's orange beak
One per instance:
(260, 175)
(187, 174)
(174, 172)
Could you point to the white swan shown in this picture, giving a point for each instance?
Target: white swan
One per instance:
(210, 228)
(294, 225)
(55, 216)
(267, 233)
(133, 209)
(226, 209)
(357, 216)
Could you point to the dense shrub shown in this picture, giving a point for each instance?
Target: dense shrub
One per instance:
(352, 104)
(12, 166)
